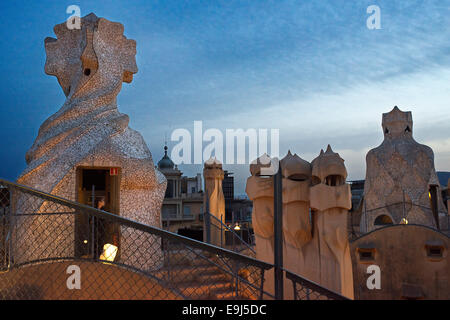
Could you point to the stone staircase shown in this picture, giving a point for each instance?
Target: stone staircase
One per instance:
(196, 277)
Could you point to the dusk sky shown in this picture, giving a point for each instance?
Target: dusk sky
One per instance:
(311, 69)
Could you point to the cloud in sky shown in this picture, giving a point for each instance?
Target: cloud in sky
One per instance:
(310, 68)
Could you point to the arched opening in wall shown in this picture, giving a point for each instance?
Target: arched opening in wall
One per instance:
(433, 195)
(98, 187)
(334, 180)
(383, 220)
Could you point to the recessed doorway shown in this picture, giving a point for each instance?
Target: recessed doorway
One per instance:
(98, 187)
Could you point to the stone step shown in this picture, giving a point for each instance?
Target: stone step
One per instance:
(205, 289)
(184, 258)
(179, 274)
(195, 277)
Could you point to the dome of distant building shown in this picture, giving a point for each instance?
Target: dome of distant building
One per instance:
(165, 162)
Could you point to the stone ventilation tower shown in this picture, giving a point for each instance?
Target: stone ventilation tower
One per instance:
(401, 184)
(330, 200)
(260, 190)
(316, 200)
(88, 136)
(214, 198)
(297, 228)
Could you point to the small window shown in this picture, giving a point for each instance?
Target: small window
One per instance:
(435, 252)
(383, 220)
(298, 177)
(334, 180)
(366, 254)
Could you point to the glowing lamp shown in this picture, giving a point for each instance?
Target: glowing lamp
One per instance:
(109, 252)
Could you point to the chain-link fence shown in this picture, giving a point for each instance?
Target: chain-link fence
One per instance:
(305, 289)
(53, 248)
(230, 238)
(45, 239)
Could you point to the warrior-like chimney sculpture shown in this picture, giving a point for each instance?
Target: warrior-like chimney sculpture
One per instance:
(401, 183)
(86, 150)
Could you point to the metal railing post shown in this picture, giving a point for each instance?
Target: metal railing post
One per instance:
(261, 288)
(93, 225)
(404, 208)
(278, 232)
(168, 259)
(207, 222)
(221, 230)
(294, 286)
(232, 235)
(4, 235)
(11, 224)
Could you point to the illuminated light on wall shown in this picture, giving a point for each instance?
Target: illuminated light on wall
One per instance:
(404, 221)
(109, 252)
(237, 227)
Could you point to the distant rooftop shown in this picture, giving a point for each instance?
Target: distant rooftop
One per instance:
(443, 177)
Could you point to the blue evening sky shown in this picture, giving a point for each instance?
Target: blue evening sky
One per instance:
(309, 68)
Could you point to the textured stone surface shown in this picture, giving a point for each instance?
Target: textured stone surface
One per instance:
(399, 170)
(297, 225)
(88, 130)
(214, 197)
(315, 247)
(260, 190)
(401, 253)
(330, 198)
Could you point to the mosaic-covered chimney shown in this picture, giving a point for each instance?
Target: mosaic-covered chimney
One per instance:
(86, 150)
(401, 184)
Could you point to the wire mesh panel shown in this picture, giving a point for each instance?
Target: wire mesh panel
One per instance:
(52, 248)
(226, 237)
(308, 290)
(4, 226)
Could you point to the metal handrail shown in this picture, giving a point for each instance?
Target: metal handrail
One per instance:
(140, 226)
(398, 226)
(233, 232)
(295, 278)
(398, 203)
